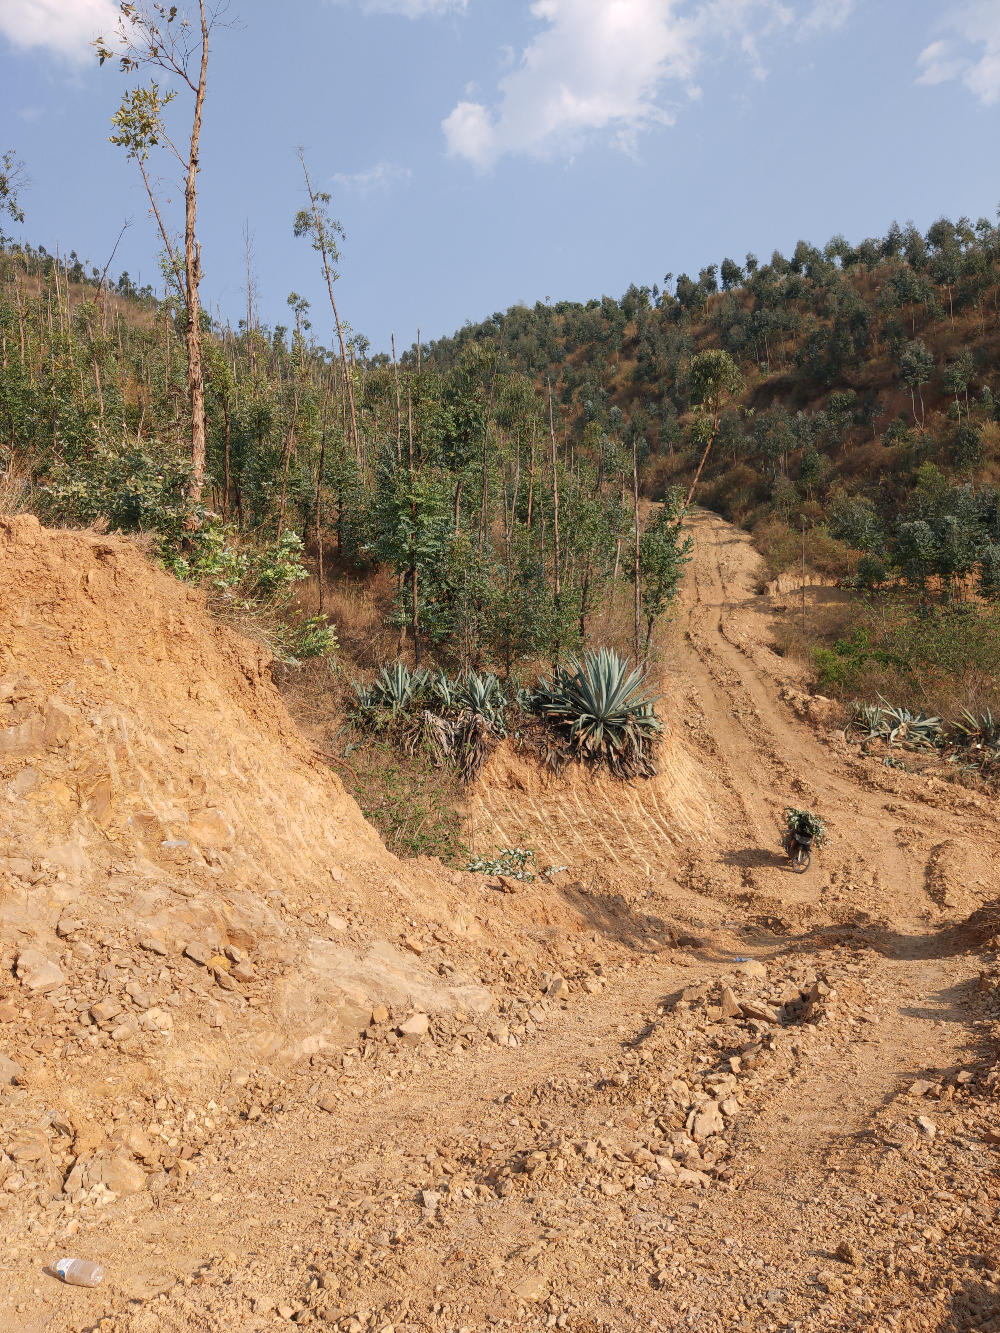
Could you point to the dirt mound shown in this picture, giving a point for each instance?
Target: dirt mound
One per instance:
(593, 823)
(185, 891)
(190, 904)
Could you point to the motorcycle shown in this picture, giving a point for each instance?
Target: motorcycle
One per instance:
(798, 849)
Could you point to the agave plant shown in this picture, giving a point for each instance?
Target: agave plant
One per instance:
(484, 697)
(897, 726)
(867, 718)
(445, 690)
(395, 690)
(982, 730)
(602, 706)
(901, 727)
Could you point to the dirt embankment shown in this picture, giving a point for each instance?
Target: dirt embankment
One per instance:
(186, 893)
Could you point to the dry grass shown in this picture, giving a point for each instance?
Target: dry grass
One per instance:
(15, 487)
(780, 545)
(359, 606)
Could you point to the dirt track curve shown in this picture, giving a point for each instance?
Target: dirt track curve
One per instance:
(567, 1181)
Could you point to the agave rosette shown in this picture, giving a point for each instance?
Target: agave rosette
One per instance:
(602, 705)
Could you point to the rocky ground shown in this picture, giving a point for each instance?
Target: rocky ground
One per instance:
(697, 1092)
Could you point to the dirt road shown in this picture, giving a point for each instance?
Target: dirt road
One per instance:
(567, 1180)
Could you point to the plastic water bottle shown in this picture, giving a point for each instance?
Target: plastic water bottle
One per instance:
(79, 1272)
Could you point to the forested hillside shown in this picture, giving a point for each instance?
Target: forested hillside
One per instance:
(498, 482)
(866, 403)
(503, 534)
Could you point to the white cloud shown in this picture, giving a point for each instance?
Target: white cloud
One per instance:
(412, 9)
(604, 65)
(827, 14)
(379, 177)
(65, 26)
(976, 25)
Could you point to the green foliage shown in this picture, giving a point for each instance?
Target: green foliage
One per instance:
(138, 121)
(509, 862)
(313, 636)
(12, 179)
(663, 553)
(829, 666)
(713, 377)
(245, 571)
(807, 823)
(131, 486)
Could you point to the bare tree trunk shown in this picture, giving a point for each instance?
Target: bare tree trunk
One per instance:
(319, 493)
(635, 563)
(399, 424)
(704, 457)
(192, 279)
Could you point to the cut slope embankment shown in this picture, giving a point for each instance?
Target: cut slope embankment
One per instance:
(159, 799)
(189, 901)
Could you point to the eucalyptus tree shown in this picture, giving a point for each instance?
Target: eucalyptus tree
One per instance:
(663, 553)
(13, 178)
(324, 232)
(713, 379)
(916, 366)
(154, 35)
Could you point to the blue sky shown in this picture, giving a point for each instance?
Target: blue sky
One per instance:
(482, 153)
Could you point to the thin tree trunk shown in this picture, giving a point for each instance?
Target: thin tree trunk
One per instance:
(225, 498)
(555, 495)
(319, 493)
(288, 459)
(415, 621)
(20, 316)
(704, 458)
(399, 424)
(635, 563)
(531, 475)
(192, 279)
(320, 234)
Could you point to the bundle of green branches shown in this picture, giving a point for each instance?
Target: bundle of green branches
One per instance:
(512, 862)
(601, 714)
(805, 822)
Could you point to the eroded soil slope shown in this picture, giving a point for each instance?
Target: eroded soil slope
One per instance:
(675, 1087)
